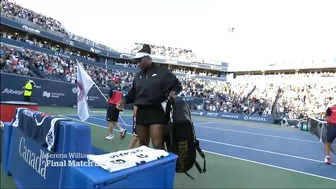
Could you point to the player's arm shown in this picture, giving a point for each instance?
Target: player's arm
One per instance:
(328, 114)
(130, 96)
(171, 82)
(135, 109)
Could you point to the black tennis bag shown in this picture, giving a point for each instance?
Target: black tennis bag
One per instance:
(180, 137)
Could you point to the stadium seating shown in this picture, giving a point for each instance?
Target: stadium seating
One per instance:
(239, 96)
(224, 96)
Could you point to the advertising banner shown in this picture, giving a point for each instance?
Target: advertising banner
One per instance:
(48, 92)
(232, 116)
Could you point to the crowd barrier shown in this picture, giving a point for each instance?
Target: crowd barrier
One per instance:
(32, 166)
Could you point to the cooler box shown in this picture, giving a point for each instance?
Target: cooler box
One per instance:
(72, 138)
(8, 108)
(156, 174)
(304, 126)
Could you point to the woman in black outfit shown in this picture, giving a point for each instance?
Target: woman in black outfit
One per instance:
(152, 86)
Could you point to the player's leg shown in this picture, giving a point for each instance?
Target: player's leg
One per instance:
(157, 134)
(143, 134)
(109, 118)
(143, 115)
(26, 99)
(122, 130)
(157, 128)
(331, 135)
(133, 142)
(115, 117)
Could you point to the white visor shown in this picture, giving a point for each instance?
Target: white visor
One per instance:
(140, 55)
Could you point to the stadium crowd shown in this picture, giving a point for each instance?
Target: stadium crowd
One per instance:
(14, 11)
(173, 53)
(10, 9)
(43, 44)
(310, 94)
(65, 51)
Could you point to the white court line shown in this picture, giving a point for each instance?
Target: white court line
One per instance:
(269, 165)
(245, 124)
(221, 124)
(218, 122)
(246, 160)
(264, 151)
(203, 123)
(245, 132)
(127, 125)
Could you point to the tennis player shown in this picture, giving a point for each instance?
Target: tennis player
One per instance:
(112, 114)
(152, 86)
(331, 131)
(135, 136)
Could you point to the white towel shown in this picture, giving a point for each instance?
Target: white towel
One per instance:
(124, 159)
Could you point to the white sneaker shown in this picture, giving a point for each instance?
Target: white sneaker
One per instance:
(327, 160)
(109, 137)
(122, 134)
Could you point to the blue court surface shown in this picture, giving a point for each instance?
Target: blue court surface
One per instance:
(287, 149)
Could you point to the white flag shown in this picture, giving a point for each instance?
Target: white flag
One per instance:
(84, 84)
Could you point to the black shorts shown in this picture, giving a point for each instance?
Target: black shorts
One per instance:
(151, 115)
(134, 127)
(112, 113)
(331, 132)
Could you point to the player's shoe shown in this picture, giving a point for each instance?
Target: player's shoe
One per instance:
(122, 134)
(109, 137)
(327, 160)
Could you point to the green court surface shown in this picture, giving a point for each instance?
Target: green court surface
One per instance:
(222, 171)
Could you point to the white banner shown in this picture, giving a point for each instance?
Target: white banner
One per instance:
(124, 159)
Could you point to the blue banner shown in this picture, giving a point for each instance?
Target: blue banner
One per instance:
(48, 92)
(240, 117)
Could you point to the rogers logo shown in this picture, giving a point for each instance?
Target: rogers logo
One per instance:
(258, 119)
(11, 91)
